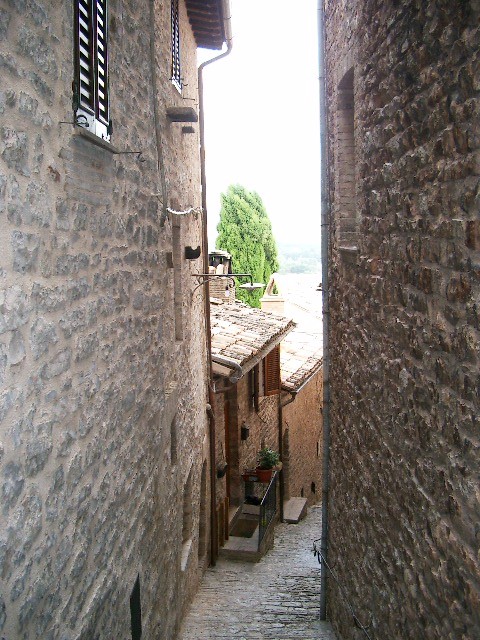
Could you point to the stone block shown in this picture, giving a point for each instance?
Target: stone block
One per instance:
(16, 348)
(42, 336)
(35, 47)
(25, 247)
(14, 150)
(39, 449)
(57, 365)
(14, 480)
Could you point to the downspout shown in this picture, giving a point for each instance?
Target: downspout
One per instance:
(282, 404)
(230, 364)
(325, 216)
(203, 181)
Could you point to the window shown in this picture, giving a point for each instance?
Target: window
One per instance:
(264, 378)
(254, 387)
(176, 74)
(90, 87)
(271, 372)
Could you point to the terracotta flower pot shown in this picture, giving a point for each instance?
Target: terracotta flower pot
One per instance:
(264, 475)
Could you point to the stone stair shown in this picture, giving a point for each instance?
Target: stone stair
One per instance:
(294, 510)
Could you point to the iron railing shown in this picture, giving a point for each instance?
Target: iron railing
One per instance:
(268, 508)
(327, 568)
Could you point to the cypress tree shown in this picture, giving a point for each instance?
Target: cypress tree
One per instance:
(245, 231)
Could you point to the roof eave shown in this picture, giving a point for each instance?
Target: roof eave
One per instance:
(207, 19)
(295, 388)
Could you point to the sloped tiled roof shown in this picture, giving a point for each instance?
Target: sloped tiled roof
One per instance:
(301, 355)
(240, 333)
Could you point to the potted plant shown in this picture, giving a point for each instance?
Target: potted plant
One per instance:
(268, 459)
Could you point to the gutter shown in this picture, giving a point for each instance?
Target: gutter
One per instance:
(231, 364)
(208, 338)
(325, 216)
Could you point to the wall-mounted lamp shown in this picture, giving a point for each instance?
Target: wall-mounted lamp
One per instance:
(191, 253)
(221, 471)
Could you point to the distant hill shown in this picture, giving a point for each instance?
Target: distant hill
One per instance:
(299, 258)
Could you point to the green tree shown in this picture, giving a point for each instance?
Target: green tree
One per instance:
(245, 231)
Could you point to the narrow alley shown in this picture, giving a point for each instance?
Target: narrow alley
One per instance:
(275, 599)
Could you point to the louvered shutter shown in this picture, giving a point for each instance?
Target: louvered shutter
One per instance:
(91, 66)
(176, 72)
(101, 60)
(271, 372)
(85, 56)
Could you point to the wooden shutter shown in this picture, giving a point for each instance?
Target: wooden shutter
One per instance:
(101, 60)
(271, 372)
(91, 100)
(84, 58)
(176, 73)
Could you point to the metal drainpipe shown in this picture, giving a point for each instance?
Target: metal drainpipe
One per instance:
(325, 215)
(203, 181)
(282, 404)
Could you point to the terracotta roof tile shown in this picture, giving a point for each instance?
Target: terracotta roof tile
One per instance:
(240, 332)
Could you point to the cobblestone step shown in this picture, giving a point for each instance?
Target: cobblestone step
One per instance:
(274, 599)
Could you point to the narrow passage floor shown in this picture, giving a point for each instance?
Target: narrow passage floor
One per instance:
(275, 599)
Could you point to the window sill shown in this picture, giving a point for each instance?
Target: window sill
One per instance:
(81, 132)
(349, 255)
(351, 251)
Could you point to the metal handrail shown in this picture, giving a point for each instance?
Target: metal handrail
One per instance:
(323, 561)
(268, 508)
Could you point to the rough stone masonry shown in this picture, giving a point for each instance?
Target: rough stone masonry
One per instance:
(404, 146)
(102, 359)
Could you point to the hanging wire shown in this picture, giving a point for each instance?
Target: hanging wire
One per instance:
(197, 210)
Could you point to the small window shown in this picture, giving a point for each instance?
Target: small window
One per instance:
(176, 73)
(254, 387)
(90, 87)
(271, 372)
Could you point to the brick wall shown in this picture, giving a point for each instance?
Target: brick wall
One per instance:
(263, 431)
(404, 501)
(94, 384)
(302, 443)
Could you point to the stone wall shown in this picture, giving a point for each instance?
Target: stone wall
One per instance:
(404, 502)
(102, 399)
(302, 443)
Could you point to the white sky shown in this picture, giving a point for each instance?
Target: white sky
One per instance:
(261, 116)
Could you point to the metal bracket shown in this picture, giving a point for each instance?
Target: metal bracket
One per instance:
(80, 121)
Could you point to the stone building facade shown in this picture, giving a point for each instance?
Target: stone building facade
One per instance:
(245, 347)
(302, 441)
(301, 410)
(404, 144)
(103, 429)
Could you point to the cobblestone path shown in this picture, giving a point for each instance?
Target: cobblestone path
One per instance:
(275, 599)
